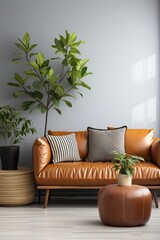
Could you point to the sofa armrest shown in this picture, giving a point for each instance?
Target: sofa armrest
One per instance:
(155, 151)
(41, 155)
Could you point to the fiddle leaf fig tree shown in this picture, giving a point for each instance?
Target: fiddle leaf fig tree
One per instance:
(44, 87)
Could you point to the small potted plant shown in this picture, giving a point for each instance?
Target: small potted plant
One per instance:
(13, 127)
(124, 163)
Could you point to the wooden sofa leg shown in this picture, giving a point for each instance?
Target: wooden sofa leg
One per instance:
(39, 196)
(50, 193)
(46, 198)
(155, 198)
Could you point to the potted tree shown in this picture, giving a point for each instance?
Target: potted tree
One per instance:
(40, 82)
(124, 163)
(13, 127)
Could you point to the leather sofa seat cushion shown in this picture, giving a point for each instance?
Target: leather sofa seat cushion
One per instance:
(94, 174)
(81, 137)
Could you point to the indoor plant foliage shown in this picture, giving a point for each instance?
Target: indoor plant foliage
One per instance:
(45, 88)
(124, 163)
(13, 128)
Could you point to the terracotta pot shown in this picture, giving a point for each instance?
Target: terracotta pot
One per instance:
(124, 180)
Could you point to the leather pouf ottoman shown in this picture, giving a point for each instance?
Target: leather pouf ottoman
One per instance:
(124, 205)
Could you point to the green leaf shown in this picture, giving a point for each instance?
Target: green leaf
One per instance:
(129, 172)
(70, 80)
(19, 54)
(13, 84)
(59, 49)
(81, 63)
(58, 43)
(69, 104)
(55, 101)
(21, 42)
(83, 85)
(18, 62)
(65, 62)
(19, 79)
(34, 64)
(37, 95)
(55, 58)
(31, 47)
(69, 95)
(26, 39)
(86, 74)
(60, 89)
(62, 40)
(46, 63)
(18, 93)
(74, 50)
(31, 73)
(83, 71)
(20, 46)
(16, 59)
(80, 94)
(27, 105)
(72, 38)
(44, 71)
(76, 75)
(67, 37)
(40, 59)
(32, 54)
(57, 109)
(52, 83)
(51, 72)
(42, 108)
(76, 44)
(37, 85)
(56, 96)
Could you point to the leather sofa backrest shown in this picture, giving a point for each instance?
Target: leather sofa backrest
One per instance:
(137, 141)
(81, 137)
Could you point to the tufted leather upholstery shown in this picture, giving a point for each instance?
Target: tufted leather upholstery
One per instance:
(138, 142)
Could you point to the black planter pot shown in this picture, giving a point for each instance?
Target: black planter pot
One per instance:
(9, 157)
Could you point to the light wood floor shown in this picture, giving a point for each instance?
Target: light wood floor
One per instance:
(69, 218)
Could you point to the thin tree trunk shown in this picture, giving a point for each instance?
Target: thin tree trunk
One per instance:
(46, 122)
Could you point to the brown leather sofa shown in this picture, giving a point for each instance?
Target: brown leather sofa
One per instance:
(93, 175)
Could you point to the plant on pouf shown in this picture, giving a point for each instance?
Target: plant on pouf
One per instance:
(13, 127)
(45, 88)
(124, 163)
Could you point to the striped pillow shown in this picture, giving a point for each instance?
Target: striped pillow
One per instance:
(64, 148)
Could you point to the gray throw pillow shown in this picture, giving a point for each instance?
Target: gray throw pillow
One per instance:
(102, 142)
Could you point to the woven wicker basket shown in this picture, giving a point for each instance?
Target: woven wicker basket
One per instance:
(16, 187)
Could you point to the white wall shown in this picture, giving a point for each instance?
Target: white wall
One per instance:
(122, 43)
